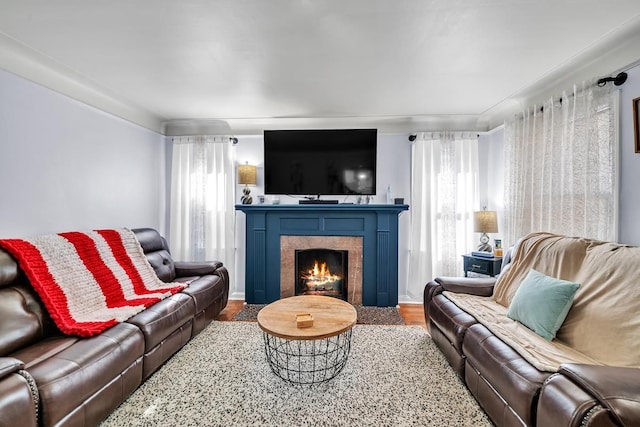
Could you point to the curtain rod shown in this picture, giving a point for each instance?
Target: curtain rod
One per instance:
(232, 139)
(617, 80)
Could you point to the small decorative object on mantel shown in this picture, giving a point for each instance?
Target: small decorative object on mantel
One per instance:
(484, 222)
(247, 175)
(304, 320)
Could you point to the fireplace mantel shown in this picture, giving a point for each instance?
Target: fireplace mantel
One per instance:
(377, 224)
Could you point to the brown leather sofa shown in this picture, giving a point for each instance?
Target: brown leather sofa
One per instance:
(511, 390)
(50, 379)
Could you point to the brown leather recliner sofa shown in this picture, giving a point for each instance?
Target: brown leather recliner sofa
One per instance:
(587, 375)
(51, 379)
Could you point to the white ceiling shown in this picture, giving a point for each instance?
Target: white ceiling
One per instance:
(240, 66)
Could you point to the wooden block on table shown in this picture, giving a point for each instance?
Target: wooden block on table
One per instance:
(304, 320)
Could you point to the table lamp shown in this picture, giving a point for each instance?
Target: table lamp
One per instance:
(485, 222)
(247, 175)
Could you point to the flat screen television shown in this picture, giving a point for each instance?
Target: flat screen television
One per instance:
(320, 162)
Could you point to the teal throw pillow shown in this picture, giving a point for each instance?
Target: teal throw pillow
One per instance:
(541, 303)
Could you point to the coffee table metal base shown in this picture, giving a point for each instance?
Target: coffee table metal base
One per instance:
(307, 361)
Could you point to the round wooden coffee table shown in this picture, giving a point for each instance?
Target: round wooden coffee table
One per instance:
(303, 354)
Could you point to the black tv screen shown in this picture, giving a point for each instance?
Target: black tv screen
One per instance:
(320, 162)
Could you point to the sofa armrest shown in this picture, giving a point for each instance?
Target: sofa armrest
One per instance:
(480, 286)
(431, 289)
(194, 268)
(9, 365)
(617, 389)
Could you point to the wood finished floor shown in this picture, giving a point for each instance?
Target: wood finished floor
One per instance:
(413, 314)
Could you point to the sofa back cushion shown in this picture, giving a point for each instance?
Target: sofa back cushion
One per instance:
(23, 318)
(157, 252)
(556, 256)
(604, 320)
(8, 269)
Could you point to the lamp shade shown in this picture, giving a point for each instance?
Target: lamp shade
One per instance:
(485, 222)
(247, 174)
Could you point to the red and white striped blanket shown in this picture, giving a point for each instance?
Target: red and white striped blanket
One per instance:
(90, 281)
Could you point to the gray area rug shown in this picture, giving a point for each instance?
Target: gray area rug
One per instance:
(366, 315)
(395, 376)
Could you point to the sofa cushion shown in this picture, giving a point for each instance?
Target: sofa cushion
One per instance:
(205, 290)
(8, 269)
(550, 254)
(157, 251)
(541, 303)
(511, 376)
(69, 370)
(24, 319)
(164, 318)
(545, 355)
(451, 320)
(604, 315)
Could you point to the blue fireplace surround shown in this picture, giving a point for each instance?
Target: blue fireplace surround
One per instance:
(377, 224)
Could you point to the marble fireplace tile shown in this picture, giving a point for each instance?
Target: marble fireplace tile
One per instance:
(352, 244)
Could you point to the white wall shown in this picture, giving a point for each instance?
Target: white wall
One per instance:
(629, 230)
(491, 179)
(67, 166)
(393, 168)
(629, 225)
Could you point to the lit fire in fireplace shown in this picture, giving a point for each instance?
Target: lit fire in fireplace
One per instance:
(319, 277)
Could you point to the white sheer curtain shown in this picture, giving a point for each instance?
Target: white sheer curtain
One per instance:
(561, 166)
(444, 194)
(202, 222)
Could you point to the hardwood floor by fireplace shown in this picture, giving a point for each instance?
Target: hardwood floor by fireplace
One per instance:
(412, 314)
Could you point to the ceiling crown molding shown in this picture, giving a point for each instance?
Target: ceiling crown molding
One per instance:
(618, 51)
(384, 124)
(21, 60)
